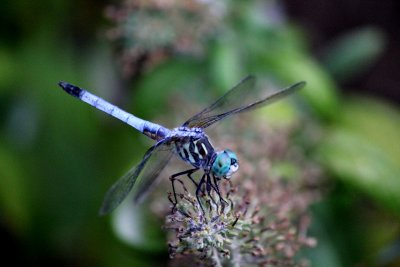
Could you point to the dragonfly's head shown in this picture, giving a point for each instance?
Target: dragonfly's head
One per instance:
(225, 164)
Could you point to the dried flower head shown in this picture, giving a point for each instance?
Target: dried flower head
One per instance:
(247, 230)
(200, 233)
(149, 31)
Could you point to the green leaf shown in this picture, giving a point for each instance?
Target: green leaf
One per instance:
(377, 121)
(363, 165)
(354, 52)
(225, 67)
(13, 193)
(290, 63)
(7, 69)
(364, 150)
(320, 91)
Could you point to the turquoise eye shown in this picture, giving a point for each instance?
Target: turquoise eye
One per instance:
(232, 155)
(225, 164)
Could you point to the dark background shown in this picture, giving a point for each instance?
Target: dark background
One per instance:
(58, 156)
(326, 20)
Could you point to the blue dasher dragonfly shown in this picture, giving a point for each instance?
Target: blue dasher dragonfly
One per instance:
(188, 141)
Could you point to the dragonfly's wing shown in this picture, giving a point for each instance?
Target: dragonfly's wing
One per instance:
(159, 155)
(243, 97)
(151, 173)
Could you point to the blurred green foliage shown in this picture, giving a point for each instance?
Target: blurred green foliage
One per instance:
(58, 156)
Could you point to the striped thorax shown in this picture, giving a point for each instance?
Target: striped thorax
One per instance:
(193, 147)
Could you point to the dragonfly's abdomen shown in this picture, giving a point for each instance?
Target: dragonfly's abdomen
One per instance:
(153, 130)
(195, 151)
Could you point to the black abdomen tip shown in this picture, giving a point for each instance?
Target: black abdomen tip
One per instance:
(71, 89)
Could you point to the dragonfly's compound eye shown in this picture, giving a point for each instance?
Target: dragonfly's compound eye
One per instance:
(221, 164)
(225, 164)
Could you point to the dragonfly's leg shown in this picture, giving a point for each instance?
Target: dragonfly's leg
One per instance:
(173, 178)
(217, 189)
(191, 178)
(198, 191)
(210, 186)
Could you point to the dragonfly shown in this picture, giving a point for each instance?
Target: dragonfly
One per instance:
(189, 142)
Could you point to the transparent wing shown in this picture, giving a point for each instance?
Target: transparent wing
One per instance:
(241, 98)
(151, 173)
(160, 154)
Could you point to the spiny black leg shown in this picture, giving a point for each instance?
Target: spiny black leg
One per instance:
(174, 192)
(217, 189)
(210, 186)
(173, 179)
(198, 189)
(190, 171)
(191, 178)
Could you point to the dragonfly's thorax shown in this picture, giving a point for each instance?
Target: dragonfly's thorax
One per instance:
(189, 131)
(193, 146)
